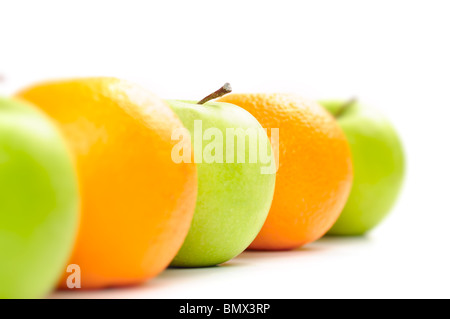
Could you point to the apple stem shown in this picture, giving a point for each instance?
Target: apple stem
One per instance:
(344, 107)
(225, 89)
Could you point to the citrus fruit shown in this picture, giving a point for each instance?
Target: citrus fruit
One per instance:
(314, 174)
(136, 203)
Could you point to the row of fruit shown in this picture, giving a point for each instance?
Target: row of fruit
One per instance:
(98, 176)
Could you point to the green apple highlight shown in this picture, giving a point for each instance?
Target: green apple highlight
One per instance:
(234, 197)
(38, 202)
(378, 163)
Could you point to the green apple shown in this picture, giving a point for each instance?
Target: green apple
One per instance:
(378, 163)
(38, 202)
(234, 196)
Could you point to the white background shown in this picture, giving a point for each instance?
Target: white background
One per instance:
(393, 54)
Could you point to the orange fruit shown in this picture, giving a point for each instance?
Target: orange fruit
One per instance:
(137, 204)
(314, 173)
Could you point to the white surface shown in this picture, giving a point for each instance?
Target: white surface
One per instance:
(393, 54)
(330, 268)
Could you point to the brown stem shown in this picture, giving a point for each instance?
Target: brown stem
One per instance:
(225, 89)
(344, 107)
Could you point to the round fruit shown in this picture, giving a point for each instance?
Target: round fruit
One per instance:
(379, 165)
(39, 202)
(234, 196)
(315, 171)
(137, 204)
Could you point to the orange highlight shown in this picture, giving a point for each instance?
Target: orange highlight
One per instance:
(137, 204)
(315, 170)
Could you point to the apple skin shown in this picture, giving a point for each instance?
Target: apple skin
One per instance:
(233, 199)
(38, 202)
(378, 163)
